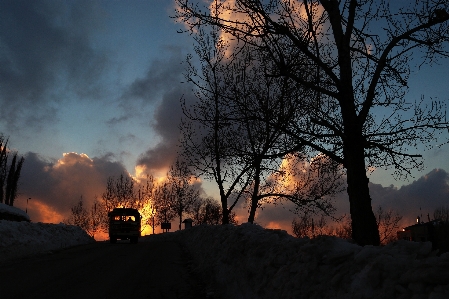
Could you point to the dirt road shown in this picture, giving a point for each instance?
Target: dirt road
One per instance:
(153, 269)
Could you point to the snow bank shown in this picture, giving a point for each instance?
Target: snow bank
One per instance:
(18, 239)
(8, 210)
(248, 261)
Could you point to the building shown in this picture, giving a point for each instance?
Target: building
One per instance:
(434, 231)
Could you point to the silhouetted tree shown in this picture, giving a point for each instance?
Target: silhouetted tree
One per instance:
(388, 223)
(146, 198)
(354, 58)
(120, 193)
(344, 229)
(13, 179)
(79, 216)
(184, 193)
(307, 226)
(208, 136)
(240, 143)
(209, 211)
(98, 219)
(441, 214)
(91, 220)
(163, 201)
(9, 177)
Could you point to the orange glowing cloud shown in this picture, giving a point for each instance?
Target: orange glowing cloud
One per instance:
(41, 212)
(233, 16)
(55, 186)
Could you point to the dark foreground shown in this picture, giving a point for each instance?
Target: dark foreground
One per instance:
(153, 269)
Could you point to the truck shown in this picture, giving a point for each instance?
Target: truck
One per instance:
(124, 224)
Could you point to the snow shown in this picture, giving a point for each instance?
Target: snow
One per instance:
(14, 211)
(248, 261)
(20, 239)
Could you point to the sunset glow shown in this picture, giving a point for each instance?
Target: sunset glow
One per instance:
(97, 95)
(41, 212)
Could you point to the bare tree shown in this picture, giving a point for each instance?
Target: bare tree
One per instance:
(9, 174)
(388, 223)
(163, 201)
(120, 193)
(358, 58)
(91, 220)
(208, 136)
(79, 216)
(307, 226)
(441, 214)
(343, 229)
(13, 179)
(184, 193)
(98, 219)
(146, 199)
(237, 142)
(209, 211)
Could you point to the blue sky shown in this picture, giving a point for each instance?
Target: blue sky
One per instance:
(103, 78)
(82, 99)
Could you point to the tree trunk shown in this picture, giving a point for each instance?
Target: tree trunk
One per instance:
(224, 206)
(364, 226)
(255, 193)
(252, 212)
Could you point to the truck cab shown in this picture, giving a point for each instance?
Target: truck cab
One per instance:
(124, 224)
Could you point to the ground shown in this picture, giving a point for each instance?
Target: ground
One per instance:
(245, 261)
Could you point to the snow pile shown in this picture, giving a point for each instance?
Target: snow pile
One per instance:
(18, 239)
(8, 210)
(248, 261)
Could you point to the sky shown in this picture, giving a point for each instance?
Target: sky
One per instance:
(91, 89)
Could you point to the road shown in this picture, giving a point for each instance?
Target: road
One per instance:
(154, 269)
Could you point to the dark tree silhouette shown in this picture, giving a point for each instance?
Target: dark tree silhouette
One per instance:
(441, 214)
(307, 226)
(388, 223)
(184, 193)
(79, 216)
(208, 137)
(209, 211)
(91, 220)
(9, 177)
(120, 193)
(163, 201)
(354, 58)
(13, 180)
(240, 143)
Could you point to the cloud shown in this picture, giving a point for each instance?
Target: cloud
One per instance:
(166, 124)
(164, 76)
(46, 52)
(55, 186)
(162, 86)
(421, 197)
